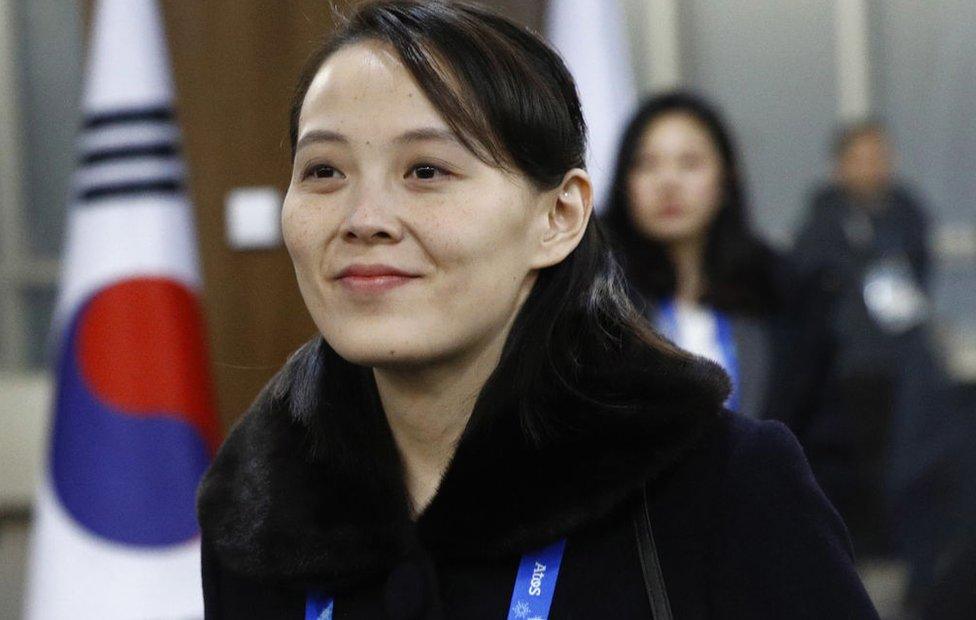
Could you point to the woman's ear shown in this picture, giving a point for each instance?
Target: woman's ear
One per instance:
(567, 210)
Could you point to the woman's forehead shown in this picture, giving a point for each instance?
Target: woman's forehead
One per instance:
(676, 129)
(362, 62)
(364, 88)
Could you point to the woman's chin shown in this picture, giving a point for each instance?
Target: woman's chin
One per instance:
(677, 232)
(382, 353)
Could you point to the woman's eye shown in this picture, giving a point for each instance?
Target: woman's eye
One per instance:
(426, 172)
(321, 171)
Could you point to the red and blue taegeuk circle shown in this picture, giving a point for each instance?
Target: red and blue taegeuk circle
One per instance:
(135, 425)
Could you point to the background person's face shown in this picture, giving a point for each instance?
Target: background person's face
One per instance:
(675, 183)
(864, 168)
(381, 185)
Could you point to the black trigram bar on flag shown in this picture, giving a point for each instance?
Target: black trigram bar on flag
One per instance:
(129, 152)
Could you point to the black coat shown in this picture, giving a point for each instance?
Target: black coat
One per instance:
(742, 529)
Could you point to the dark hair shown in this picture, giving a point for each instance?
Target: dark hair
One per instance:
(577, 342)
(738, 266)
(848, 133)
(506, 95)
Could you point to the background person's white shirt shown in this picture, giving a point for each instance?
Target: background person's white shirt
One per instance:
(697, 331)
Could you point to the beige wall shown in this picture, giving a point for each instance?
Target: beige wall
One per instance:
(25, 402)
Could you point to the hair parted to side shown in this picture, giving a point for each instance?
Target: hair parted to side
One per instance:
(738, 266)
(506, 95)
(577, 342)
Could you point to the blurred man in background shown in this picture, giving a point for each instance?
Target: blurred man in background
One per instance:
(869, 398)
(863, 266)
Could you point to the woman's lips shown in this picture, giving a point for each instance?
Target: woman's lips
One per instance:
(373, 278)
(671, 211)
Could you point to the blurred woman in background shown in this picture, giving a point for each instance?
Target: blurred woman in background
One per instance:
(679, 218)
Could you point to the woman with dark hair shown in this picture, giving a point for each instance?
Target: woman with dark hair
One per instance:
(485, 427)
(678, 218)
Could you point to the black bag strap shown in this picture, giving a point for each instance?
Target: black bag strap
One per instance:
(657, 592)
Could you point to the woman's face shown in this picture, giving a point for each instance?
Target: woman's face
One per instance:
(407, 248)
(675, 183)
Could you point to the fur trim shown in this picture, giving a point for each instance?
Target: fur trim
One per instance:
(317, 496)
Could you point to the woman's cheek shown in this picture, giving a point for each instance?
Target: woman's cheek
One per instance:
(302, 231)
(713, 186)
(292, 229)
(637, 192)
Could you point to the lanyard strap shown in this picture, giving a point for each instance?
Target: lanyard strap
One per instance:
(667, 320)
(731, 356)
(318, 606)
(668, 323)
(535, 585)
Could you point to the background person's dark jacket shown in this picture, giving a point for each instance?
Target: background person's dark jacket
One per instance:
(842, 355)
(742, 529)
(869, 406)
(835, 249)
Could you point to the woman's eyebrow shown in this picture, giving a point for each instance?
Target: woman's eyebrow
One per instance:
(321, 135)
(423, 134)
(427, 134)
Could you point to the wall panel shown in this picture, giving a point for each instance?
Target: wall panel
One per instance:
(770, 65)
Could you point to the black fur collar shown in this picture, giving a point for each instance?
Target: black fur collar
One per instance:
(317, 497)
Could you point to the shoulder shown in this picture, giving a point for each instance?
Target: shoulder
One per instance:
(743, 520)
(768, 490)
(761, 452)
(905, 193)
(907, 200)
(777, 537)
(826, 208)
(765, 477)
(752, 459)
(745, 469)
(824, 197)
(822, 225)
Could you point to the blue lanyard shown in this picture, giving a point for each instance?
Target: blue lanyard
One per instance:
(535, 585)
(318, 606)
(730, 359)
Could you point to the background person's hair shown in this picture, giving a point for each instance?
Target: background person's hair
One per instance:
(738, 266)
(577, 346)
(845, 135)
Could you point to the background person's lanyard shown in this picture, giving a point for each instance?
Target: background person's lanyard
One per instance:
(668, 323)
(535, 585)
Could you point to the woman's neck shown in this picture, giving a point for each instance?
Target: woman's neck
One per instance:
(688, 258)
(427, 409)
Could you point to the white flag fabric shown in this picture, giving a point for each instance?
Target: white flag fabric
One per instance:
(134, 425)
(591, 37)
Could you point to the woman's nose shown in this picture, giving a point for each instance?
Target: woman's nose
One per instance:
(371, 219)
